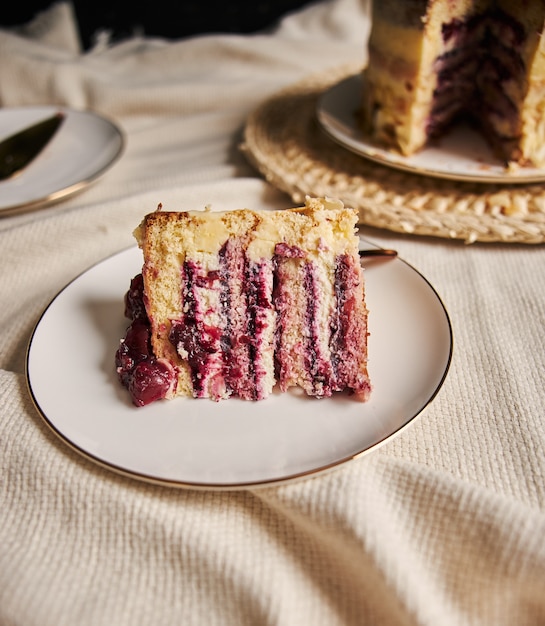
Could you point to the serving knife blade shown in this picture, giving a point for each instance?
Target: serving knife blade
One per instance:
(18, 150)
(382, 252)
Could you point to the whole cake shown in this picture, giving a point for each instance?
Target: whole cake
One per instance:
(233, 303)
(433, 61)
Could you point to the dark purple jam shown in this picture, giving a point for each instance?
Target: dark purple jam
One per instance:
(318, 371)
(346, 329)
(345, 282)
(134, 299)
(289, 252)
(257, 304)
(228, 352)
(230, 264)
(318, 368)
(190, 335)
(486, 55)
(146, 378)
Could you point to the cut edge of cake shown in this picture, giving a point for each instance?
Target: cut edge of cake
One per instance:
(430, 60)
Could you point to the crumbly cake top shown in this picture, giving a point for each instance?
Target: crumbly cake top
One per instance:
(322, 226)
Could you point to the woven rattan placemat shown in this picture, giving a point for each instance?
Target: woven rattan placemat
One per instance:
(283, 139)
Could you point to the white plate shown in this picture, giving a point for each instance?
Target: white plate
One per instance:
(83, 148)
(233, 443)
(461, 154)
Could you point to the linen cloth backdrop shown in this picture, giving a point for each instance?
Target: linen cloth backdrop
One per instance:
(443, 525)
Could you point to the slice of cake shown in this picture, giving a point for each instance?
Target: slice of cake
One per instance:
(431, 62)
(233, 303)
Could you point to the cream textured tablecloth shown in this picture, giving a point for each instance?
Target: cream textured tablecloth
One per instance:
(442, 526)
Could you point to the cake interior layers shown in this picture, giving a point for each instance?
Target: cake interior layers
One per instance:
(236, 302)
(436, 61)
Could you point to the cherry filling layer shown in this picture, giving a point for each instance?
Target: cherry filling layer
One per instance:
(146, 378)
(258, 281)
(348, 339)
(231, 331)
(223, 332)
(195, 341)
(331, 356)
(484, 53)
(317, 364)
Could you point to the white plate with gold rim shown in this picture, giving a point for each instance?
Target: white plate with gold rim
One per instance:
(232, 444)
(461, 154)
(85, 147)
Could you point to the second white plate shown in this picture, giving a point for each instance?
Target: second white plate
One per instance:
(83, 148)
(461, 154)
(231, 444)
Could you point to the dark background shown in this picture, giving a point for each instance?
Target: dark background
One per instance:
(170, 19)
